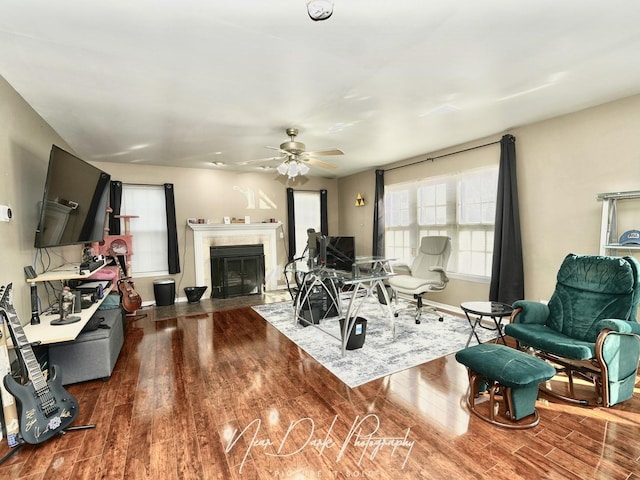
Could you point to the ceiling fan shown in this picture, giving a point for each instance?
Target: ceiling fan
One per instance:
(294, 156)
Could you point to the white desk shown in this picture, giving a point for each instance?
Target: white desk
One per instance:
(45, 333)
(69, 271)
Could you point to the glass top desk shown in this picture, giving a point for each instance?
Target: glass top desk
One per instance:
(363, 285)
(374, 264)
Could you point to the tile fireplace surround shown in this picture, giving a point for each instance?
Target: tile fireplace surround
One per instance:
(216, 234)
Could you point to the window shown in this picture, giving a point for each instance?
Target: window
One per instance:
(476, 211)
(149, 230)
(397, 221)
(307, 215)
(461, 206)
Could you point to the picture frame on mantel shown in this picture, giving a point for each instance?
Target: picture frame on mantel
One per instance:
(226, 220)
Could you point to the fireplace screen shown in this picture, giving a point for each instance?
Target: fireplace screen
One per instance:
(237, 270)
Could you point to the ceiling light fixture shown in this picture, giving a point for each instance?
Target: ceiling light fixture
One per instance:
(319, 9)
(292, 168)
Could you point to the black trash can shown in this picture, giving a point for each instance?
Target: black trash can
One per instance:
(164, 290)
(194, 294)
(356, 339)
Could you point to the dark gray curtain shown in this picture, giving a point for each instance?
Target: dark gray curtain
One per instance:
(115, 202)
(507, 273)
(324, 215)
(291, 224)
(378, 216)
(172, 230)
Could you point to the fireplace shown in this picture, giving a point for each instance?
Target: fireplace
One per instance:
(237, 270)
(218, 234)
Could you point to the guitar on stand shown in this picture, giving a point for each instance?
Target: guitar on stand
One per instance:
(8, 402)
(129, 298)
(44, 408)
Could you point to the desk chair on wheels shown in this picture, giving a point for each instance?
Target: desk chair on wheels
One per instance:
(427, 273)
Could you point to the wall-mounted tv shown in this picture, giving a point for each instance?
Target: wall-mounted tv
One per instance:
(74, 204)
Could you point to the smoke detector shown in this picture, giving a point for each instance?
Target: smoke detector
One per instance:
(319, 9)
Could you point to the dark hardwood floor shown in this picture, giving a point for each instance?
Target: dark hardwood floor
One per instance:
(222, 394)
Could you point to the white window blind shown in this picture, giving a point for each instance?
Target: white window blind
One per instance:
(461, 206)
(149, 230)
(307, 215)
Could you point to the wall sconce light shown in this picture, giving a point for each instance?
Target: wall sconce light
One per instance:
(359, 201)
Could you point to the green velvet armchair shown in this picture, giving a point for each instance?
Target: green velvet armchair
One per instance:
(589, 328)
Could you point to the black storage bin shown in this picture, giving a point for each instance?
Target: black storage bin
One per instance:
(359, 331)
(164, 291)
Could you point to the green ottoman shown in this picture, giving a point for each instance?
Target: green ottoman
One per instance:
(507, 373)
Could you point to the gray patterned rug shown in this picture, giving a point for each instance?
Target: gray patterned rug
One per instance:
(380, 355)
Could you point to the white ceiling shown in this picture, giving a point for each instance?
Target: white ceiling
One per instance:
(169, 82)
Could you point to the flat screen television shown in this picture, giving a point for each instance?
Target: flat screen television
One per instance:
(74, 204)
(341, 253)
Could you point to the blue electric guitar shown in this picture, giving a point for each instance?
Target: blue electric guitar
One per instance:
(45, 408)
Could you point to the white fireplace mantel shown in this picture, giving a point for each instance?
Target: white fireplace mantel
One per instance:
(208, 234)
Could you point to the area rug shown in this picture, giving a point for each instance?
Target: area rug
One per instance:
(380, 355)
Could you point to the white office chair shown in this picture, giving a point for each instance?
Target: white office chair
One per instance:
(427, 272)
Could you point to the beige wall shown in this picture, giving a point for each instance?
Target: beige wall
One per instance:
(214, 194)
(25, 143)
(357, 221)
(562, 163)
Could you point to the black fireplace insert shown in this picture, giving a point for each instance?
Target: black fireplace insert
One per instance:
(237, 270)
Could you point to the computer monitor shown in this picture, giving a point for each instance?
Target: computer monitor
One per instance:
(341, 253)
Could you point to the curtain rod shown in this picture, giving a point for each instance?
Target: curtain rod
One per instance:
(303, 190)
(431, 159)
(133, 184)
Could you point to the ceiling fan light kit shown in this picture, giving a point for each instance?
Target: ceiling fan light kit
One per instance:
(292, 168)
(303, 169)
(283, 168)
(294, 157)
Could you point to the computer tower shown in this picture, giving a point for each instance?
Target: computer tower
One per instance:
(319, 302)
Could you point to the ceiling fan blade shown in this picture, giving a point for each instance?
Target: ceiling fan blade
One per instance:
(321, 153)
(318, 163)
(258, 160)
(284, 152)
